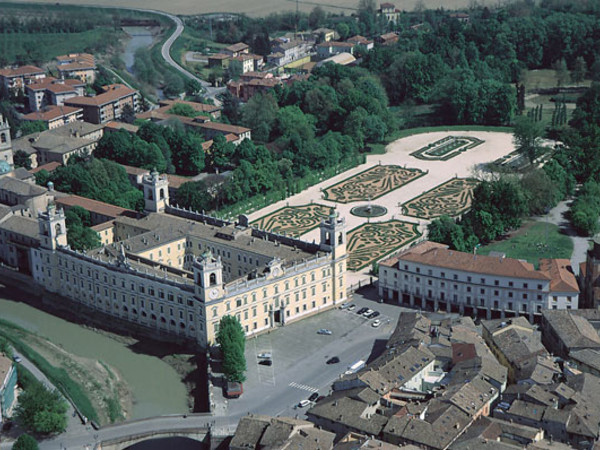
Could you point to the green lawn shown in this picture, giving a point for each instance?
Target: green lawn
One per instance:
(534, 240)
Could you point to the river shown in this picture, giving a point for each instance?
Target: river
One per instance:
(140, 37)
(156, 386)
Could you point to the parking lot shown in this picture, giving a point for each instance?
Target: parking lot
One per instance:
(299, 356)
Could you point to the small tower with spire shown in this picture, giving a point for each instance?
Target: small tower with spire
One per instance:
(6, 153)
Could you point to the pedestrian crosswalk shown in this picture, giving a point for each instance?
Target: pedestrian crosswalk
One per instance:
(303, 387)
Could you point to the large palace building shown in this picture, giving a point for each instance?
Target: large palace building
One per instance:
(178, 272)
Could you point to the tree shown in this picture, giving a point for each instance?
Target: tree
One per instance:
(579, 70)
(527, 136)
(194, 195)
(193, 87)
(80, 236)
(540, 190)
(316, 18)
(446, 231)
(25, 442)
(561, 72)
(30, 127)
(41, 410)
(128, 115)
(232, 340)
(21, 159)
(260, 114)
(343, 30)
(173, 85)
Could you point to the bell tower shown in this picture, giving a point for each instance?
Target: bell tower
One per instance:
(208, 277)
(156, 192)
(53, 228)
(333, 235)
(6, 153)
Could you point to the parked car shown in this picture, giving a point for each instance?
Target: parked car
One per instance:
(374, 314)
(346, 306)
(333, 360)
(368, 313)
(313, 396)
(17, 358)
(351, 307)
(376, 323)
(234, 390)
(266, 362)
(325, 331)
(265, 355)
(303, 403)
(361, 311)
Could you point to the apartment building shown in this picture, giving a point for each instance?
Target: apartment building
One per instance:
(77, 65)
(50, 91)
(15, 79)
(107, 106)
(55, 116)
(431, 276)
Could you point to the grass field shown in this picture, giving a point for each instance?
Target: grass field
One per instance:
(534, 240)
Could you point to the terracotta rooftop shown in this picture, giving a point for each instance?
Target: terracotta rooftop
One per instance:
(49, 167)
(237, 47)
(51, 112)
(20, 71)
(112, 93)
(206, 145)
(121, 126)
(438, 255)
(78, 65)
(219, 56)
(563, 279)
(224, 127)
(76, 57)
(95, 206)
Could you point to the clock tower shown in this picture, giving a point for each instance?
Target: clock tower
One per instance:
(208, 277)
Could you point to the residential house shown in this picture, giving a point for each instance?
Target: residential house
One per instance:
(237, 49)
(323, 35)
(8, 387)
(389, 11)
(286, 51)
(55, 116)
(461, 17)
(431, 276)
(77, 65)
(220, 60)
(362, 41)
(15, 79)
(387, 39)
(241, 64)
(327, 49)
(50, 91)
(106, 106)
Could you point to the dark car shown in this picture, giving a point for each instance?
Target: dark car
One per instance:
(333, 360)
(362, 311)
(313, 396)
(266, 362)
(374, 314)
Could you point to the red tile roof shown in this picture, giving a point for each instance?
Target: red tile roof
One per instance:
(563, 279)
(224, 127)
(112, 93)
(76, 66)
(237, 47)
(20, 71)
(95, 206)
(49, 167)
(52, 112)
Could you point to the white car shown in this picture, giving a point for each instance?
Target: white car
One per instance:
(325, 331)
(303, 403)
(265, 355)
(376, 323)
(368, 312)
(17, 358)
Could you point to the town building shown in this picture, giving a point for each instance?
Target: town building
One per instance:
(431, 276)
(50, 91)
(60, 143)
(323, 35)
(77, 65)
(327, 49)
(8, 387)
(565, 332)
(362, 41)
(6, 152)
(262, 432)
(55, 116)
(389, 11)
(387, 39)
(285, 51)
(237, 49)
(15, 79)
(107, 106)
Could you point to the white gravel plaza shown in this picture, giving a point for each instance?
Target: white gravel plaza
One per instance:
(464, 165)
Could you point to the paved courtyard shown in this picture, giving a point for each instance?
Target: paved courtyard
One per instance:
(420, 186)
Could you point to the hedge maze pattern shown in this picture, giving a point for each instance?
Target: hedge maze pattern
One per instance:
(293, 220)
(370, 242)
(450, 198)
(447, 148)
(371, 184)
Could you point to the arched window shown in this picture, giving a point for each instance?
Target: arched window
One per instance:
(340, 238)
(58, 229)
(162, 194)
(3, 138)
(153, 317)
(172, 323)
(163, 320)
(182, 325)
(212, 279)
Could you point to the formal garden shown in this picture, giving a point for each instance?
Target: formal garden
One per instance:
(451, 198)
(446, 148)
(370, 242)
(293, 220)
(371, 184)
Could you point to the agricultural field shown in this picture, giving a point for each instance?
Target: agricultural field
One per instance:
(293, 220)
(371, 184)
(451, 198)
(370, 242)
